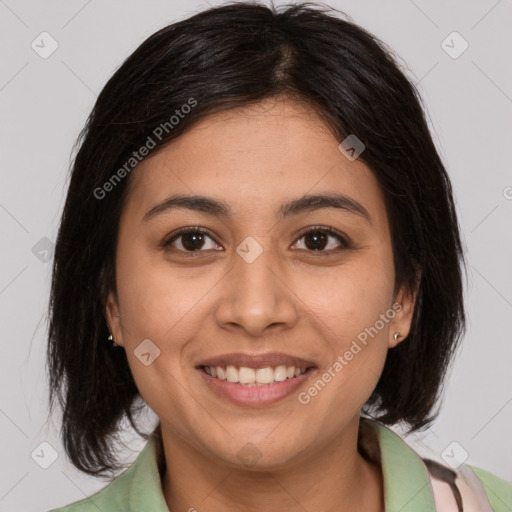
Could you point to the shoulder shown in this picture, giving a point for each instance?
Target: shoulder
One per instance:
(467, 487)
(137, 488)
(497, 490)
(111, 497)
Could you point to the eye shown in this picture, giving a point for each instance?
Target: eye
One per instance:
(191, 239)
(317, 239)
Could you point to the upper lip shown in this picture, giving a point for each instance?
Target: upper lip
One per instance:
(257, 360)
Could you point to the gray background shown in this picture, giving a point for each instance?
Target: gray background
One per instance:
(44, 104)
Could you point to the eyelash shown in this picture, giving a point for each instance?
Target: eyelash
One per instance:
(325, 229)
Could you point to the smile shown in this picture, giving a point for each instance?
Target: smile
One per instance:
(246, 386)
(253, 376)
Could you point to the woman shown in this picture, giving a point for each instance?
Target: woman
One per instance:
(260, 241)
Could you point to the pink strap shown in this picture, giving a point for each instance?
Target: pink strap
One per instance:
(474, 497)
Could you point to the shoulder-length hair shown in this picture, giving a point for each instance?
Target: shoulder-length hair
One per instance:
(225, 57)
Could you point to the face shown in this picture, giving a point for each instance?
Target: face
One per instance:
(256, 285)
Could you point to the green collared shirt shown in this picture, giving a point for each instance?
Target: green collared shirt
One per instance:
(407, 486)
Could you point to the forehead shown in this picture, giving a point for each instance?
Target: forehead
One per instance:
(253, 158)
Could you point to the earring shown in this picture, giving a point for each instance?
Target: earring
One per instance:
(111, 338)
(396, 336)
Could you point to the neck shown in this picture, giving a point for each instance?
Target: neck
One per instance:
(334, 477)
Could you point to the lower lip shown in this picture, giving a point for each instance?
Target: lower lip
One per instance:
(255, 395)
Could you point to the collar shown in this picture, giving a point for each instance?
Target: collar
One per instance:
(407, 485)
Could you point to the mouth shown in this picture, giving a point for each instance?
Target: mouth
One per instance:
(255, 380)
(245, 376)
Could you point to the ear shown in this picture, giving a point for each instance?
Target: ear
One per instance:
(403, 305)
(113, 317)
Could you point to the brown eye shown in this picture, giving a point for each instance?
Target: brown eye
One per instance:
(191, 240)
(317, 239)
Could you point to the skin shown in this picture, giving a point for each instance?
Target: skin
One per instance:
(291, 299)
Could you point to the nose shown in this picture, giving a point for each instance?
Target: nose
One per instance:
(256, 296)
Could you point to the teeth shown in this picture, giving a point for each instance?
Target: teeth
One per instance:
(264, 375)
(280, 373)
(250, 376)
(232, 374)
(245, 375)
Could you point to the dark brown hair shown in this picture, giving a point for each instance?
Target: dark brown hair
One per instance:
(225, 57)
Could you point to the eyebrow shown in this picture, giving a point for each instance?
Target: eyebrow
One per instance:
(221, 209)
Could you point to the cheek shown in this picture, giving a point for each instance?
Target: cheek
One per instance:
(353, 308)
(156, 298)
(166, 305)
(350, 297)
(159, 314)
